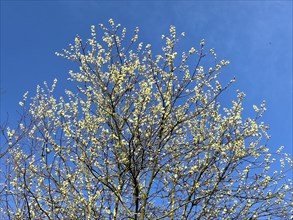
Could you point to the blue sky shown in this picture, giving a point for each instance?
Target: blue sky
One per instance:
(256, 36)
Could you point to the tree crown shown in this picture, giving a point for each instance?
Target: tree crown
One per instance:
(143, 137)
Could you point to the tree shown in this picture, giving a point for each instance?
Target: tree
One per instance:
(141, 137)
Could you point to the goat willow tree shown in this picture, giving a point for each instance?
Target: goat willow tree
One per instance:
(142, 137)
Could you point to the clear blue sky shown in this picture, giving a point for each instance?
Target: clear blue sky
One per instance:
(256, 36)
